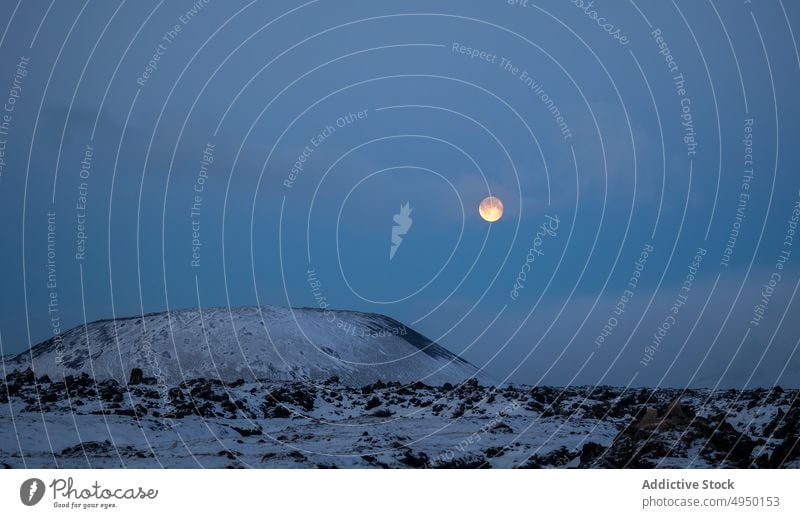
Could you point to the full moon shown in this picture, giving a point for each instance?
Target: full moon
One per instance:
(491, 209)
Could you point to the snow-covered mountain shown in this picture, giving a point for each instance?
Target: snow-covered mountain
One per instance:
(266, 343)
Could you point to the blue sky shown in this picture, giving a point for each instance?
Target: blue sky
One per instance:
(439, 130)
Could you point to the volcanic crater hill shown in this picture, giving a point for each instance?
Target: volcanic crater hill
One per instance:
(208, 423)
(265, 343)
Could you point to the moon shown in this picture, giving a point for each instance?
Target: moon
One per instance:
(491, 209)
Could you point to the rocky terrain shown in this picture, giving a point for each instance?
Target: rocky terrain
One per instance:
(81, 422)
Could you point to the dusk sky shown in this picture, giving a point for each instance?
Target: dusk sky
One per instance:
(183, 154)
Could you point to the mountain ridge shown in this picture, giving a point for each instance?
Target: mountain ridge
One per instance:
(249, 342)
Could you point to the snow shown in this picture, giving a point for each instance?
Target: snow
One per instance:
(324, 436)
(270, 343)
(205, 423)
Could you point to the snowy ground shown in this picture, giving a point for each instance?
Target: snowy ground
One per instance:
(205, 423)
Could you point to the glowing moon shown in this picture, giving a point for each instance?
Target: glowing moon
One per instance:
(491, 209)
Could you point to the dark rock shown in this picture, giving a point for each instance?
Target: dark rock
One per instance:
(91, 448)
(248, 432)
(418, 385)
(466, 462)
(25, 377)
(79, 385)
(534, 406)
(494, 451)
(590, 452)
(785, 452)
(109, 390)
(459, 411)
(278, 412)
(763, 461)
(18, 379)
(726, 444)
(208, 392)
(230, 454)
(297, 456)
(297, 394)
(554, 459)
(382, 413)
(136, 376)
(412, 460)
(501, 428)
(370, 389)
(50, 396)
